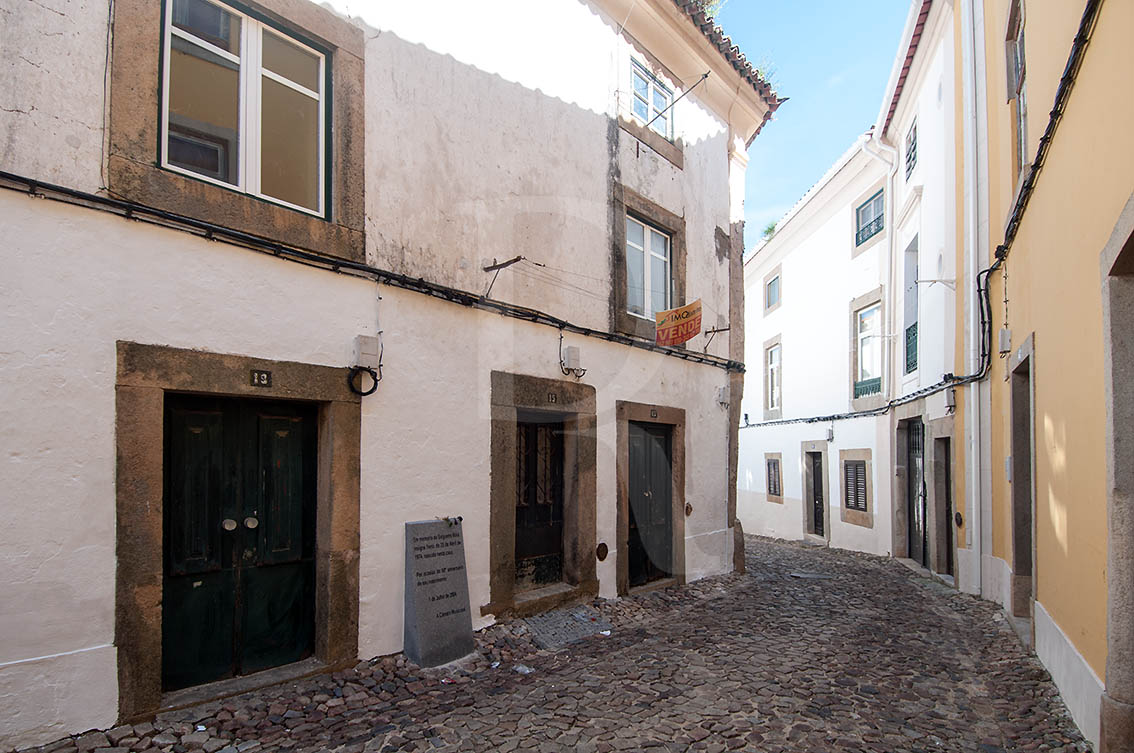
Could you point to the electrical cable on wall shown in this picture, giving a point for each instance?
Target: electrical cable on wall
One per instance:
(576, 371)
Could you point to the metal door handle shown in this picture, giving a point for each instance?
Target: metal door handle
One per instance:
(251, 522)
(228, 524)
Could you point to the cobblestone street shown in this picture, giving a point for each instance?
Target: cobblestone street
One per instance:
(812, 650)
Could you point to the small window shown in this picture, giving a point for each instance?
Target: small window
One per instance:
(911, 306)
(648, 273)
(243, 105)
(772, 292)
(774, 487)
(854, 485)
(868, 351)
(651, 100)
(1017, 91)
(869, 219)
(772, 360)
(911, 150)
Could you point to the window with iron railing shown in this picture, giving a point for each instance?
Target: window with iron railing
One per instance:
(911, 348)
(869, 219)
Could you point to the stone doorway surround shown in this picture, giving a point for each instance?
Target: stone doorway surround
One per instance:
(938, 521)
(1022, 388)
(574, 404)
(625, 412)
(1116, 716)
(899, 457)
(145, 373)
(819, 447)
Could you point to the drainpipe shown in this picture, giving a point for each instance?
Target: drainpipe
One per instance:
(887, 155)
(975, 186)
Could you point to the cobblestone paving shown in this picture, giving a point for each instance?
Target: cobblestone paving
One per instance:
(871, 658)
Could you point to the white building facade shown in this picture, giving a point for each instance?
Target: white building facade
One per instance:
(186, 283)
(847, 332)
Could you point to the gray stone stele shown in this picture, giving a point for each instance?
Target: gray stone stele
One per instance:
(554, 630)
(438, 625)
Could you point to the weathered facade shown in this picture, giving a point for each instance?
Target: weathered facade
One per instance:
(179, 296)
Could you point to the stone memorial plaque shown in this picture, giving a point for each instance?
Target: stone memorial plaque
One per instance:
(438, 625)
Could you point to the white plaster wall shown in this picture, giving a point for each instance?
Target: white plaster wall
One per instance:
(79, 280)
(762, 517)
(52, 65)
(442, 356)
(75, 282)
(932, 217)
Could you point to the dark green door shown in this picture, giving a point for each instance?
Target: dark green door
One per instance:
(651, 504)
(239, 528)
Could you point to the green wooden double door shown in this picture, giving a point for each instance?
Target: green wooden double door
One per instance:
(239, 537)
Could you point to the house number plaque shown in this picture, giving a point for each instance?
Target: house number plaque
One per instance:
(261, 378)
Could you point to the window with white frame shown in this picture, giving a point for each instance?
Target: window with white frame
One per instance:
(911, 150)
(868, 351)
(650, 100)
(868, 219)
(648, 278)
(772, 292)
(243, 105)
(772, 374)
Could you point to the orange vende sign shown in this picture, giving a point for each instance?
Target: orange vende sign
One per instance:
(679, 325)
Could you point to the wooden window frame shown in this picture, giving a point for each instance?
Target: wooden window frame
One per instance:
(134, 154)
(873, 399)
(628, 203)
(772, 413)
(775, 274)
(911, 150)
(653, 84)
(250, 72)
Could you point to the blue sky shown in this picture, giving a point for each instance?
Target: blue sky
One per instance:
(832, 58)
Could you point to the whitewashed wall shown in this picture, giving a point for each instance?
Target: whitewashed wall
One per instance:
(819, 277)
(480, 145)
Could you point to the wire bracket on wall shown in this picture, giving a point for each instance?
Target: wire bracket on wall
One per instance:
(356, 384)
(711, 334)
(570, 365)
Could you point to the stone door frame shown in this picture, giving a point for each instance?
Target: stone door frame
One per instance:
(574, 404)
(625, 412)
(145, 373)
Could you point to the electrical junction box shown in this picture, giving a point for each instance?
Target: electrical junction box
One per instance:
(1005, 341)
(571, 358)
(366, 351)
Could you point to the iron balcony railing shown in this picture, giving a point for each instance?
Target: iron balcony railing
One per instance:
(911, 347)
(868, 231)
(867, 387)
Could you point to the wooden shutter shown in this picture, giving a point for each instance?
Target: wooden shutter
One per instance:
(774, 478)
(854, 485)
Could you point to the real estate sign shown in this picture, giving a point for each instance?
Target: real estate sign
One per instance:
(679, 325)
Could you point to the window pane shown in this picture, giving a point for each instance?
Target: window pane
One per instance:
(659, 285)
(640, 109)
(635, 233)
(204, 111)
(208, 22)
(659, 244)
(660, 100)
(635, 279)
(641, 88)
(773, 291)
(290, 61)
(289, 145)
(661, 125)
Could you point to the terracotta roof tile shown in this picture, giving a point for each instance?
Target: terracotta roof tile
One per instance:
(732, 54)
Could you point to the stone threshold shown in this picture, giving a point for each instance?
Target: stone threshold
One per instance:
(199, 695)
(655, 585)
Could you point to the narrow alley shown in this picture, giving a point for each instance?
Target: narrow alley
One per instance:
(810, 650)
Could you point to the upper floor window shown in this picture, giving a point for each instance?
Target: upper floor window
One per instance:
(650, 100)
(1017, 91)
(868, 351)
(648, 275)
(911, 305)
(772, 292)
(772, 375)
(868, 219)
(243, 105)
(911, 150)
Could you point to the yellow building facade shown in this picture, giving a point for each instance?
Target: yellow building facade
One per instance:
(1046, 179)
